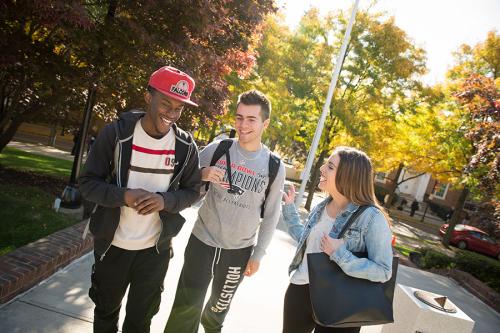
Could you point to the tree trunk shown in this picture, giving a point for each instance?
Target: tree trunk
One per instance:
(9, 131)
(314, 180)
(272, 145)
(212, 133)
(53, 135)
(455, 218)
(394, 186)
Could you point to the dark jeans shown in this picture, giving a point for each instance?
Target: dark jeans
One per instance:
(144, 270)
(298, 313)
(202, 263)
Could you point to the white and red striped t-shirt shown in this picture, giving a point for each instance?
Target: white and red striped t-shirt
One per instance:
(151, 168)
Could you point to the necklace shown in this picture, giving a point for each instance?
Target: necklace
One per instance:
(245, 158)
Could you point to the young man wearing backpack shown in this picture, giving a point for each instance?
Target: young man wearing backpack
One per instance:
(141, 172)
(243, 200)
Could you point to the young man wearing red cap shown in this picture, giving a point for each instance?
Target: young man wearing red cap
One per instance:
(141, 172)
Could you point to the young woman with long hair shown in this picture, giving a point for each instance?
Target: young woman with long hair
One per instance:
(347, 177)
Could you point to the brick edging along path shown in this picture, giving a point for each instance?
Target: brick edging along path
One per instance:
(26, 266)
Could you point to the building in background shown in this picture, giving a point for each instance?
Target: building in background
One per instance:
(440, 197)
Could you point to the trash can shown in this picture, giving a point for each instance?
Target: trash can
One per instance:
(419, 311)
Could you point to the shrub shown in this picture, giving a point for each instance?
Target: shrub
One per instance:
(434, 259)
(483, 268)
(487, 218)
(441, 211)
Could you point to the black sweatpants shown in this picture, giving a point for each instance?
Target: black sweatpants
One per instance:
(298, 313)
(144, 270)
(201, 264)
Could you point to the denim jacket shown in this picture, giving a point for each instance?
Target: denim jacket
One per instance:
(370, 233)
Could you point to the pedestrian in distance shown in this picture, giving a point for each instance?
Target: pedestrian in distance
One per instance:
(347, 178)
(449, 214)
(245, 183)
(402, 204)
(141, 172)
(90, 142)
(414, 207)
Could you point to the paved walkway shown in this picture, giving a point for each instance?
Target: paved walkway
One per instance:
(41, 149)
(61, 305)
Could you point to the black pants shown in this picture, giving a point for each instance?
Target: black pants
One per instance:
(144, 270)
(298, 315)
(201, 264)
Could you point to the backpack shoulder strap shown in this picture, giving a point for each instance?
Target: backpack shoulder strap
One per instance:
(274, 166)
(221, 150)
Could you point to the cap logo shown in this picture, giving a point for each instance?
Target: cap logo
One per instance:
(181, 88)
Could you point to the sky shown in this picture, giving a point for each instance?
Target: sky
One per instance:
(437, 26)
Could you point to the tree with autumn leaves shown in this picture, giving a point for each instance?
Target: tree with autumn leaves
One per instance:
(478, 97)
(294, 69)
(380, 105)
(473, 84)
(53, 51)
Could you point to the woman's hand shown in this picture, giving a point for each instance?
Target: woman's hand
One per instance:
(329, 245)
(289, 196)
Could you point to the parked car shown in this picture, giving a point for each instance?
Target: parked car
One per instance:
(473, 239)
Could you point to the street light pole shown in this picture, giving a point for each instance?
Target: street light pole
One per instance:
(426, 200)
(70, 197)
(321, 123)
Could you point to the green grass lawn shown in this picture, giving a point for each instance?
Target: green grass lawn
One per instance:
(21, 160)
(404, 250)
(26, 216)
(26, 199)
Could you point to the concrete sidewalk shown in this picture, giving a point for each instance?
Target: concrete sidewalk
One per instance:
(38, 148)
(61, 304)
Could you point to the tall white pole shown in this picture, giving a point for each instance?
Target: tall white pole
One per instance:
(321, 123)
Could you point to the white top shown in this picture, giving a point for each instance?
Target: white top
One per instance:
(313, 243)
(151, 168)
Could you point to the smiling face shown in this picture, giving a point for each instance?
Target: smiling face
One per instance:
(249, 124)
(329, 174)
(162, 112)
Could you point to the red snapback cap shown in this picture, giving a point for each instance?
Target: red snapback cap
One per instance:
(172, 82)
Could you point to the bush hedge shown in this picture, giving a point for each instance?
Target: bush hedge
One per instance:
(434, 259)
(439, 210)
(483, 268)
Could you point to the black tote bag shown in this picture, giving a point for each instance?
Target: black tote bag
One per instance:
(340, 300)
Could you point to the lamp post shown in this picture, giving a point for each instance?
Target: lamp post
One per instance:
(70, 197)
(326, 107)
(426, 200)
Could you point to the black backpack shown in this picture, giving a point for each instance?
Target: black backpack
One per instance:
(223, 149)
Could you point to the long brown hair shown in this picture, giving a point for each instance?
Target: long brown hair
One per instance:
(355, 178)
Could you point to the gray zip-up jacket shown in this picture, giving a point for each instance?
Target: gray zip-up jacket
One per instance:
(105, 175)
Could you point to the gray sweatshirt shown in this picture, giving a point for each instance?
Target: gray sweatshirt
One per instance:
(230, 221)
